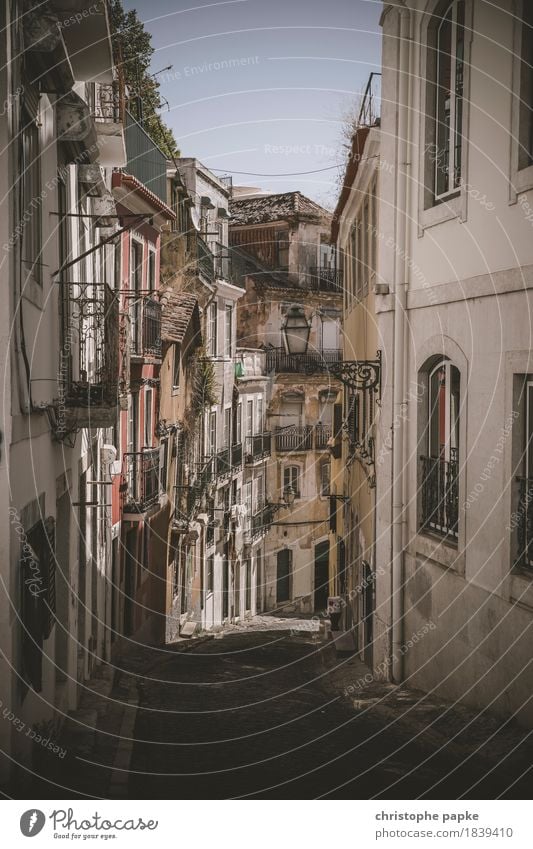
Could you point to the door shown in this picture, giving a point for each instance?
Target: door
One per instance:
(291, 414)
(330, 334)
(321, 577)
(368, 611)
(283, 575)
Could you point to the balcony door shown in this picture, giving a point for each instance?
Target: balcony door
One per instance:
(321, 591)
(444, 412)
(291, 414)
(330, 334)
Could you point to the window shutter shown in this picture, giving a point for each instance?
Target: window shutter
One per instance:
(49, 562)
(333, 514)
(337, 430)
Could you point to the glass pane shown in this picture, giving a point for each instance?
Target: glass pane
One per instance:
(437, 412)
(443, 112)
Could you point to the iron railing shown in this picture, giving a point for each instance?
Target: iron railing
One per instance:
(313, 362)
(522, 522)
(107, 101)
(258, 447)
(325, 279)
(440, 495)
(227, 460)
(145, 160)
(145, 318)
(261, 520)
(302, 438)
(205, 260)
(89, 364)
(140, 484)
(370, 112)
(188, 497)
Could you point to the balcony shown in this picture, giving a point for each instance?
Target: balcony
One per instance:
(205, 261)
(89, 360)
(258, 447)
(222, 262)
(227, 460)
(302, 438)
(440, 496)
(522, 523)
(140, 480)
(146, 162)
(312, 362)
(325, 279)
(261, 521)
(145, 322)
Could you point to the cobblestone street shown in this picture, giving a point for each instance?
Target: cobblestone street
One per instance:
(273, 713)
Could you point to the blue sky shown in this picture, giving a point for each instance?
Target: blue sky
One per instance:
(261, 85)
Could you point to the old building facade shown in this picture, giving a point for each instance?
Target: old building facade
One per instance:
(453, 530)
(291, 310)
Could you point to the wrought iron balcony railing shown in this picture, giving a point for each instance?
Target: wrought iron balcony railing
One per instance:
(261, 520)
(440, 495)
(205, 260)
(89, 364)
(107, 101)
(258, 447)
(325, 279)
(370, 111)
(140, 480)
(146, 161)
(227, 460)
(313, 362)
(522, 523)
(302, 438)
(145, 322)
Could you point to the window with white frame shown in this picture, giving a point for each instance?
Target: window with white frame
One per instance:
(148, 420)
(325, 478)
(249, 418)
(439, 489)
(259, 415)
(228, 337)
(212, 330)
(291, 478)
(448, 106)
(212, 433)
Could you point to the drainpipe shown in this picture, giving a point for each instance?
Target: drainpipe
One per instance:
(400, 300)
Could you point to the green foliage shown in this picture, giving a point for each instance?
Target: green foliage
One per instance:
(133, 51)
(204, 392)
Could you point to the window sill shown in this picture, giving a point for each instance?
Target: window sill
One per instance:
(446, 210)
(438, 549)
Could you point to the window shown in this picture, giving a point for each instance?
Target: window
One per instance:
(151, 271)
(212, 330)
(135, 300)
(248, 497)
(212, 433)
(31, 197)
(148, 422)
(210, 572)
(439, 490)
(249, 418)
(525, 155)
(282, 249)
(227, 427)
(448, 107)
(228, 339)
(177, 366)
(259, 415)
(325, 476)
(291, 478)
(238, 424)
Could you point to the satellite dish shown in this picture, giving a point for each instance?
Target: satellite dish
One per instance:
(195, 218)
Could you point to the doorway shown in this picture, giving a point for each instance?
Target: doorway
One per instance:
(321, 576)
(283, 575)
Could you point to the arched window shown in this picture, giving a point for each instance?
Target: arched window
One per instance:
(440, 465)
(450, 56)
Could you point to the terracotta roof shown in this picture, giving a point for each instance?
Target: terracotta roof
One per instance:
(120, 178)
(289, 206)
(178, 310)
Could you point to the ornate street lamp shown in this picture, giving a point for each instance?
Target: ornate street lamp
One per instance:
(296, 331)
(356, 375)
